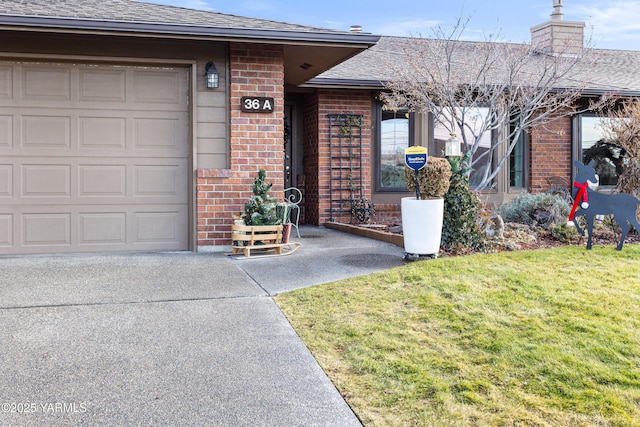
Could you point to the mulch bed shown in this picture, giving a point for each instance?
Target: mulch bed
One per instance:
(520, 237)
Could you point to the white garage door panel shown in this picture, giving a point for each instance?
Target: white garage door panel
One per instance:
(6, 81)
(102, 228)
(102, 180)
(6, 181)
(41, 82)
(6, 131)
(40, 180)
(46, 132)
(105, 85)
(93, 158)
(46, 229)
(102, 132)
(6, 230)
(133, 228)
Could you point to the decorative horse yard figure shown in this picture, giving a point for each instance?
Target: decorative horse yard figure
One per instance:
(621, 206)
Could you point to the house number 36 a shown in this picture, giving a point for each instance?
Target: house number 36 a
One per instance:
(257, 104)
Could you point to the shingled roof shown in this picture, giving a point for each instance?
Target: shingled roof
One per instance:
(611, 70)
(139, 16)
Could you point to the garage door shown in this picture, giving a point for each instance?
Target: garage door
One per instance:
(93, 158)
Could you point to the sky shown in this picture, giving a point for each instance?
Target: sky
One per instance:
(610, 24)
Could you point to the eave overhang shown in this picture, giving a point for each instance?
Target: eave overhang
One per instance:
(626, 93)
(327, 83)
(61, 24)
(306, 53)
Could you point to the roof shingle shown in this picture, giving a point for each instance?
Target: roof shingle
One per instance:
(136, 12)
(609, 71)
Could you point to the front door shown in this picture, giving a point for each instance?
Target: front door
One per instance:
(294, 154)
(288, 146)
(293, 146)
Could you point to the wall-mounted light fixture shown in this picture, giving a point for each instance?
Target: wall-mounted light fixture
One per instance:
(452, 146)
(212, 77)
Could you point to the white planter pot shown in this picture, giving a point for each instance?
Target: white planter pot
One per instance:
(422, 225)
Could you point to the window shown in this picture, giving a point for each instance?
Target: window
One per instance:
(483, 156)
(516, 165)
(398, 129)
(593, 146)
(395, 137)
(517, 162)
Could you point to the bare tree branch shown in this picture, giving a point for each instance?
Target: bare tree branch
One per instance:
(488, 87)
(622, 128)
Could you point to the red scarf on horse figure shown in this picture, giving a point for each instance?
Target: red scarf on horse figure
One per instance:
(583, 196)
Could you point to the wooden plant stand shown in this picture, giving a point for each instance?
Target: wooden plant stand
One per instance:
(259, 237)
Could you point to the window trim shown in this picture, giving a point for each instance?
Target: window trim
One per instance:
(526, 144)
(499, 185)
(576, 154)
(502, 181)
(378, 188)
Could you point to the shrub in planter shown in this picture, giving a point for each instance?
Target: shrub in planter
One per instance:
(433, 178)
(422, 218)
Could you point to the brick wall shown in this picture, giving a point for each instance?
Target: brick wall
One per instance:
(388, 213)
(550, 153)
(317, 107)
(310, 120)
(256, 142)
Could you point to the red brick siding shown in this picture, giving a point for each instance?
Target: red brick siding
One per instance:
(388, 213)
(256, 142)
(550, 153)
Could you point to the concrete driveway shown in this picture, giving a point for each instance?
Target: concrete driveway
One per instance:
(169, 338)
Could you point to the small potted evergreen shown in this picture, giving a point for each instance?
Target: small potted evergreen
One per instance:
(422, 217)
(261, 207)
(261, 225)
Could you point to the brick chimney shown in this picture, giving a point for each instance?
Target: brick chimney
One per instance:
(558, 36)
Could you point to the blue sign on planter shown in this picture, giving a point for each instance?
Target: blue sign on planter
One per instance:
(415, 157)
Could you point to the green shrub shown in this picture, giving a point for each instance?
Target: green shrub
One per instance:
(539, 209)
(261, 208)
(564, 233)
(460, 224)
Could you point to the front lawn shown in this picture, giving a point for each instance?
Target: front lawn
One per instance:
(534, 338)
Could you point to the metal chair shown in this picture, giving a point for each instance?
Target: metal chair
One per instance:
(293, 198)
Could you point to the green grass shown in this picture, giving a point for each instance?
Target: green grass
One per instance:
(539, 338)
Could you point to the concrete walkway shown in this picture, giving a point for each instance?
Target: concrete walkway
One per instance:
(169, 338)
